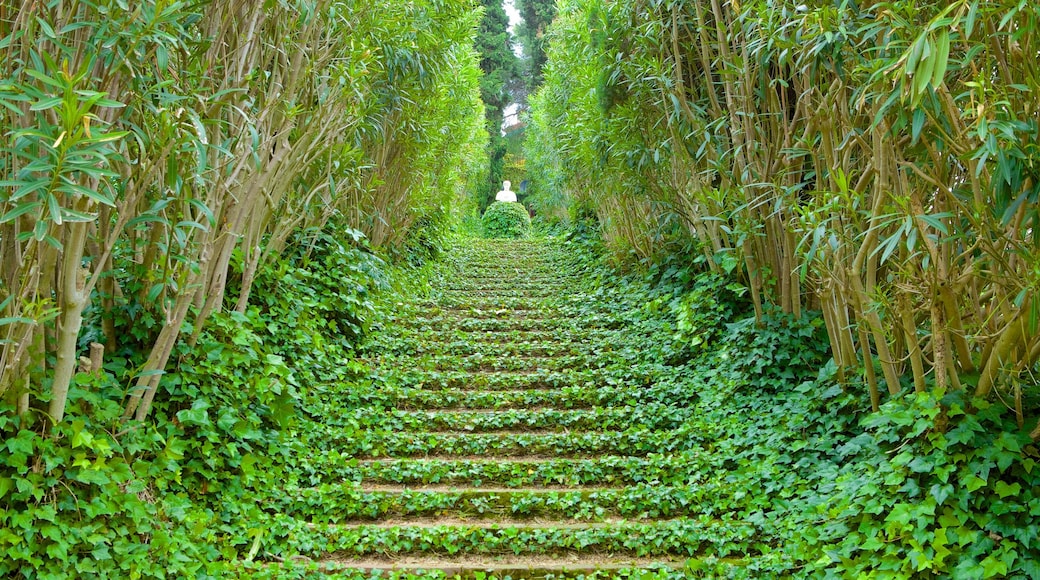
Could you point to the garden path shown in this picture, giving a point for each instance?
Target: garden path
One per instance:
(507, 430)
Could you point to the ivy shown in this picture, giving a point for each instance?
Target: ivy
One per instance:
(506, 220)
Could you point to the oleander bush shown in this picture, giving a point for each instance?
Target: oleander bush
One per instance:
(873, 161)
(202, 188)
(505, 219)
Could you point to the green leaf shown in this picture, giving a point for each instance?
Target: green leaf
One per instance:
(67, 215)
(81, 437)
(23, 443)
(175, 448)
(917, 124)
(935, 221)
(1008, 442)
(54, 208)
(941, 492)
(46, 104)
(76, 189)
(973, 15)
(20, 210)
(249, 462)
(48, 30)
(107, 137)
(942, 57)
(974, 483)
(197, 415)
(993, 567)
(43, 78)
(1004, 490)
(29, 187)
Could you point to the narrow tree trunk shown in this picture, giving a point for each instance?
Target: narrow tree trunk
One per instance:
(1003, 351)
(74, 300)
(906, 316)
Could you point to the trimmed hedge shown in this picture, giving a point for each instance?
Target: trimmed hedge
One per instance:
(506, 220)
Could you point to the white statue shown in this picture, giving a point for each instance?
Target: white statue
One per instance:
(505, 194)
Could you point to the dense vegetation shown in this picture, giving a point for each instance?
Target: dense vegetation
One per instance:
(195, 190)
(497, 86)
(872, 161)
(536, 15)
(872, 166)
(506, 220)
(241, 130)
(788, 326)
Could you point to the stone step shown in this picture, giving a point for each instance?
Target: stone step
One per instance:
(512, 380)
(424, 336)
(559, 398)
(487, 349)
(530, 363)
(511, 471)
(566, 325)
(555, 567)
(492, 290)
(650, 415)
(501, 432)
(674, 537)
(371, 444)
(331, 405)
(347, 503)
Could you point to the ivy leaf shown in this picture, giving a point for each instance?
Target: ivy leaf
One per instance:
(175, 448)
(941, 492)
(939, 545)
(1003, 489)
(974, 483)
(921, 465)
(81, 437)
(900, 515)
(23, 443)
(197, 415)
(992, 567)
(249, 462)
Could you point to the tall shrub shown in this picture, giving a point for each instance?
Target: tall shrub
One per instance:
(157, 157)
(875, 161)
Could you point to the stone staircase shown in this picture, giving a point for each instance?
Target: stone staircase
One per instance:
(504, 434)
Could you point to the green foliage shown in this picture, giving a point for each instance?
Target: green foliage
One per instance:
(182, 495)
(328, 503)
(79, 501)
(934, 490)
(920, 488)
(497, 60)
(537, 15)
(679, 537)
(702, 311)
(332, 286)
(734, 430)
(781, 351)
(139, 140)
(58, 155)
(760, 129)
(506, 220)
(501, 68)
(694, 568)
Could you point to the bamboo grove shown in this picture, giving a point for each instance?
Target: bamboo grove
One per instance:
(157, 151)
(876, 161)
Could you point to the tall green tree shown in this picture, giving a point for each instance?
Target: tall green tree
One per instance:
(501, 70)
(537, 15)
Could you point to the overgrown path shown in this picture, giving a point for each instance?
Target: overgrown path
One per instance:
(508, 429)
